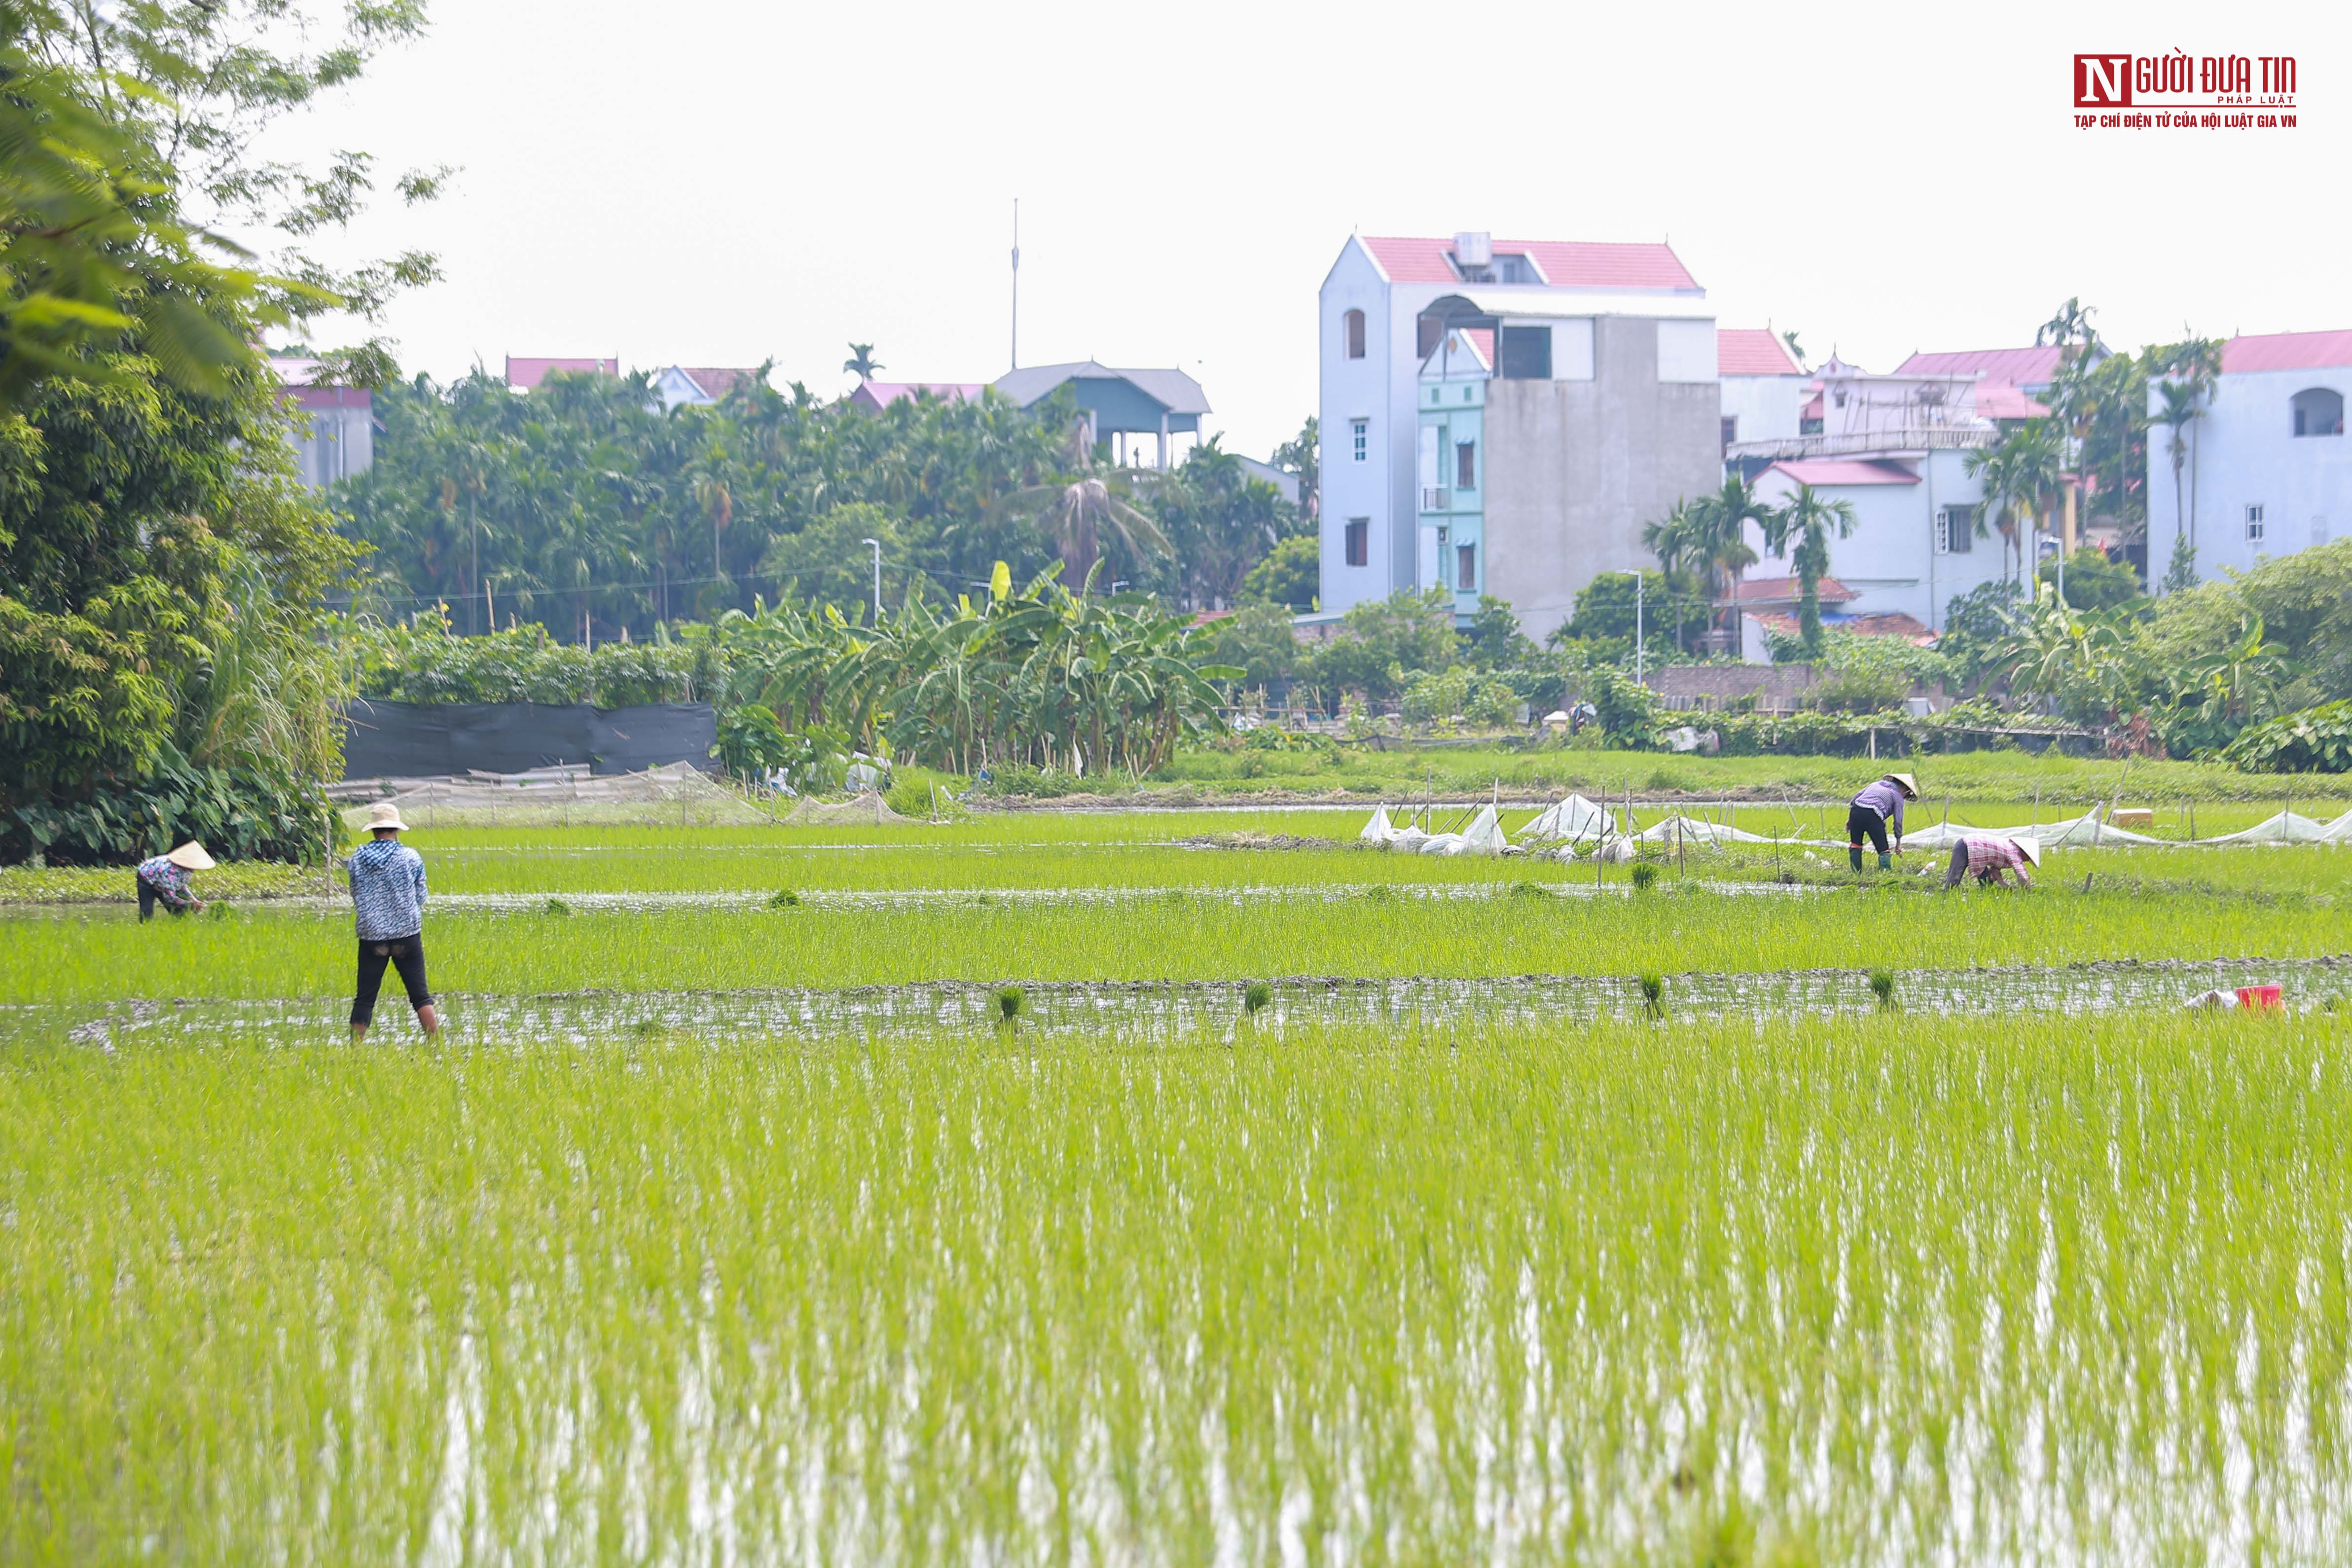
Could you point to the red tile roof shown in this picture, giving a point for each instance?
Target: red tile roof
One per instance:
(1844, 471)
(1752, 351)
(1877, 624)
(529, 373)
(2287, 351)
(1998, 400)
(716, 381)
(1758, 590)
(1568, 264)
(882, 394)
(2018, 367)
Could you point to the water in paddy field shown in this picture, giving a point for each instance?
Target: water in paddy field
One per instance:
(1159, 1010)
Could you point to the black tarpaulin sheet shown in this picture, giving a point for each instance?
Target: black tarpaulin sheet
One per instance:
(413, 739)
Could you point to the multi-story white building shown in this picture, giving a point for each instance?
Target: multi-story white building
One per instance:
(1503, 417)
(335, 437)
(1894, 448)
(1764, 388)
(2265, 469)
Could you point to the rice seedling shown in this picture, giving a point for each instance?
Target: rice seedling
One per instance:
(1009, 999)
(280, 952)
(1882, 985)
(783, 899)
(1653, 991)
(1890, 1289)
(1644, 875)
(555, 907)
(1256, 997)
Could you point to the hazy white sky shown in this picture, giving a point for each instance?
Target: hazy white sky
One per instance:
(718, 182)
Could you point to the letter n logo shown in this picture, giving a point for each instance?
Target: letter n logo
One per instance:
(2103, 81)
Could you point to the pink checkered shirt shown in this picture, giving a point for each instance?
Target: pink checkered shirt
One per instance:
(1989, 857)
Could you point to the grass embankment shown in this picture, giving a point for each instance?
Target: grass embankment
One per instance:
(1890, 1289)
(1464, 773)
(1898, 924)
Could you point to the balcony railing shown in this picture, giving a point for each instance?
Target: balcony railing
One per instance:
(1433, 498)
(1878, 443)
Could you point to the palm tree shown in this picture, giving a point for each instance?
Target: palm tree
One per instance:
(1808, 518)
(1723, 519)
(1077, 511)
(2179, 411)
(861, 361)
(2021, 474)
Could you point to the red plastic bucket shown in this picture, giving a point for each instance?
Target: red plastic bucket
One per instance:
(2264, 997)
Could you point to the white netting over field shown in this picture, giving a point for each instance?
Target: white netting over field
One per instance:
(679, 794)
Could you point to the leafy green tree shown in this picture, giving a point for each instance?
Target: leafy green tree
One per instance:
(1303, 454)
(1258, 640)
(1604, 611)
(861, 361)
(1219, 523)
(2094, 582)
(1290, 575)
(1493, 640)
(828, 563)
(1380, 638)
(1095, 504)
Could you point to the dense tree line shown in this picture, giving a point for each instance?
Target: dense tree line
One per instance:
(584, 506)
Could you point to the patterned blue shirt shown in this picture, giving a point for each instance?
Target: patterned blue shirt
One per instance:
(387, 889)
(169, 882)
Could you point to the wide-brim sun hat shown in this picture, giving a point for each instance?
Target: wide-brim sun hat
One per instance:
(1907, 783)
(2032, 849)
(384, 815)
(191, 856)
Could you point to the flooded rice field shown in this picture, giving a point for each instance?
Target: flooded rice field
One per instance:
(1159, 1010)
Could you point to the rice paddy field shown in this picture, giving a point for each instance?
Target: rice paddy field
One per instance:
(1189, 1187)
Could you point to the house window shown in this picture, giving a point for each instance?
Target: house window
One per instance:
(1359, 542)
(2318, 411)
(1956, 531)
(1465, 464)
(2254, 523)
(1526, 354)
(1360, 438)
(1355, 327)
(1466, 567)
(1730, 430)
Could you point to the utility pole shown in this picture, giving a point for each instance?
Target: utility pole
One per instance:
(877, 546)
(473, 529)
(1016, 283)
(1638, 587)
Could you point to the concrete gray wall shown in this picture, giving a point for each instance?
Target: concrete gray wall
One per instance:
(1576, 468)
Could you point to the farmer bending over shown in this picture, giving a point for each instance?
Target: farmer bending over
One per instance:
(1987, 859)
(1871, 812)
(388, 892)
(164, 879)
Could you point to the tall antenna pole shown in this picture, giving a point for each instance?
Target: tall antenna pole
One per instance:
(1016, 283)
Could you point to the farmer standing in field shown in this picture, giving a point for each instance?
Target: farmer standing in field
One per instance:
(388, 892)
(1988, 858)
(1872, 812)
(164, 879)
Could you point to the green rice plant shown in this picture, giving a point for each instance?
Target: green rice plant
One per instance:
(555, 907)
(783, 899)
(1653, 991)
(1009, 1000)
(1644, 875)
(1888, 1288)
(1256, 997)
(1882, 985)
(281, 952)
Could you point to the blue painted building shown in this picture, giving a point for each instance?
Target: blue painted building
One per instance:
(1120, 406)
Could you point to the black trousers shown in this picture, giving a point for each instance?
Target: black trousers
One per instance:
(406, 953)
(148, 899)
(1861, 822)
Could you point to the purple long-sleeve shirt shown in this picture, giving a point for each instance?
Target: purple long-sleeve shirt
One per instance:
(1885, 797)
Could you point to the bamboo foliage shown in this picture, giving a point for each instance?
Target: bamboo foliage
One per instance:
(1044, 677)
